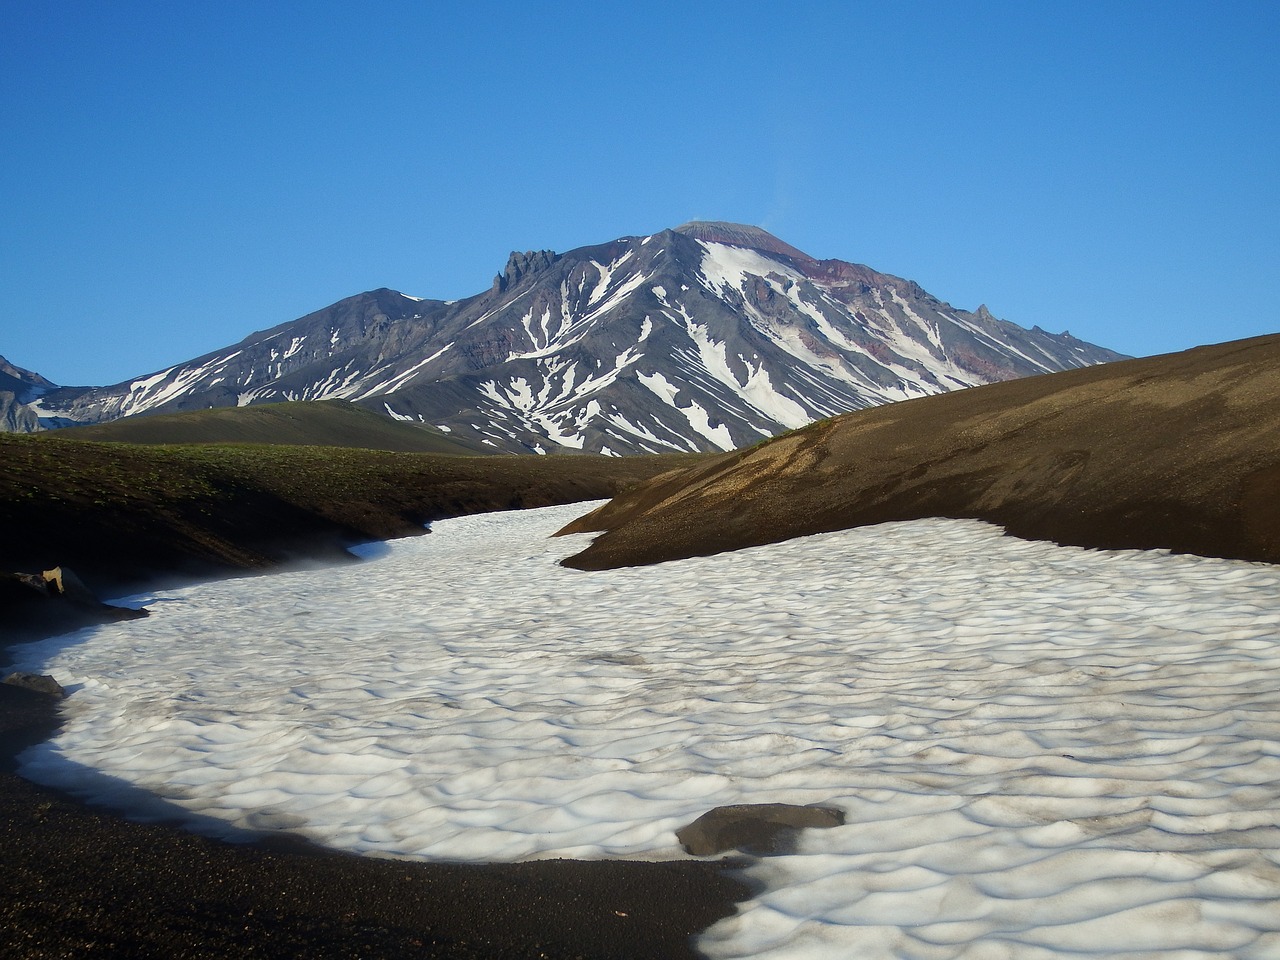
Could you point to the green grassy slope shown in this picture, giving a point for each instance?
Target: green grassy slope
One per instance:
(118, 513)
(329, 423)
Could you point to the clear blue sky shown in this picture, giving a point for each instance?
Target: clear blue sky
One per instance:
(178, 175)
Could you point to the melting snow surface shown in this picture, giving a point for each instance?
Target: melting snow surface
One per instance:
(1041, 752)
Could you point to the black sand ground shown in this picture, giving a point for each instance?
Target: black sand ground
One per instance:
(79, 882)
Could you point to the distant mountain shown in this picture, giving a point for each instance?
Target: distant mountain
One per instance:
(18, 389)
(706, 337)
(1179, 451)
(323, 423)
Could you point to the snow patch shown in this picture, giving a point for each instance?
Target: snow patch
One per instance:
(727, 268)
(1040, 751)
(699, 419)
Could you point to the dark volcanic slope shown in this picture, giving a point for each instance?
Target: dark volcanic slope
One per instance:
(75, 882)
(325, 423)
(1180, 451)
(120, 513)
(79, 883)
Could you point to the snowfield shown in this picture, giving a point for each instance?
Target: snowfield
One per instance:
(1041, 752)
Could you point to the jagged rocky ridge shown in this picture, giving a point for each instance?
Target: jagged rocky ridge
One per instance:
(706, 337)
(18, 390)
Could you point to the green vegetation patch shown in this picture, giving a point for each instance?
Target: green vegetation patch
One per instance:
(314, 423)
(120, 513)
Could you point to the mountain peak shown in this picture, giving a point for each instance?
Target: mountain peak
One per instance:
(520, 265)
(709, 340)
(20, 381)
(740, 235)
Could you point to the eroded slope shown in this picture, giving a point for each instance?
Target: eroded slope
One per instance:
(1180, 451)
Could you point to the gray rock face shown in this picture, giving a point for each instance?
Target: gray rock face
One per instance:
(520, 265)
(38, 683)
(18, 388)
(55, 601)
(761, 829)
(708, 337)
(24, 384)
(16, 417)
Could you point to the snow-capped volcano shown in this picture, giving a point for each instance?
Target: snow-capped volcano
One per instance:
(709, 336)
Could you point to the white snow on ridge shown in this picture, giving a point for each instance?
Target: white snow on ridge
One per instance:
(624, 290)
(143, 384)
(1041, 752)
(341, 383)
(712, 359)
(147, 393)
(728, 267)
(760, 391)
(604, 297)
(399, 380)
(644, 433)
(694, 412)
(38, 407)
(996, 344)
(558, 404)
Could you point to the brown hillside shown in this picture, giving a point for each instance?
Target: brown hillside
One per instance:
(1179, 451)
(119, 514)
(323, 423)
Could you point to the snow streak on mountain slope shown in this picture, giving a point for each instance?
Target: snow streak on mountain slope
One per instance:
(706, 337)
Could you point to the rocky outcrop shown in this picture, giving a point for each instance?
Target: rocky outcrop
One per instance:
(16, 417)
(761, 829)
(18, 388)
(37, 683)
(520, 265)
(55, 601)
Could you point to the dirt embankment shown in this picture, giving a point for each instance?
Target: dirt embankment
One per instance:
(1180, 451)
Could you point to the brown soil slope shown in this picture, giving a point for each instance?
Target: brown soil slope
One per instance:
(1179, 451)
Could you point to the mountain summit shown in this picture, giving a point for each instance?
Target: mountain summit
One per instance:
(706, 337)
(740, 235)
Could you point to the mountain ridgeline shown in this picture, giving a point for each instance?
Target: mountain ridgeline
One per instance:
(711, 336)
(18, 389)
